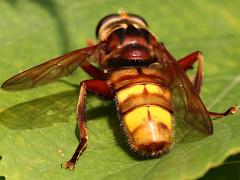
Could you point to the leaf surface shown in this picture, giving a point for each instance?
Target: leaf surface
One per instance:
(38, 130)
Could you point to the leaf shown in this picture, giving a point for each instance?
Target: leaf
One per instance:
(228, 170)
(38, 130)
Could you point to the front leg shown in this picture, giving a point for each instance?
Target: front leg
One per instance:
(89, 68)
(99, 87)
(92, 71)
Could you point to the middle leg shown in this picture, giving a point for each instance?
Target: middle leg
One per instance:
(231, 110)
(187, 63)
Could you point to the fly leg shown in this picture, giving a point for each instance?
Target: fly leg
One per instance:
(231, 110)
(186, 63)
(89, 68)
(99, 87)
(90, 42)
(92, 71)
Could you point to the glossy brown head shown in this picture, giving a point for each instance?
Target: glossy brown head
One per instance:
(128, 36)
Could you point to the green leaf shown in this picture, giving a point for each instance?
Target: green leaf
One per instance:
(38, 130)
(228, 170)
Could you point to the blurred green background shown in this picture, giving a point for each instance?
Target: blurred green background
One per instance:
(37, 127)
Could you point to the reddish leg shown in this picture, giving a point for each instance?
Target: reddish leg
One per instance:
(90, 42)
(231, 110)
(187, 62)
(99, 87)
(92, 71)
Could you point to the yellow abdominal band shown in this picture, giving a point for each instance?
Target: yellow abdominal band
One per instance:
(139, 89)
(141, 115)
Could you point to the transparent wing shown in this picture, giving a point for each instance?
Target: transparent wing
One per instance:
(52, 70)
(191, 116)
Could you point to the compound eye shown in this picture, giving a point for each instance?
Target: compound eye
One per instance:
(139, 17)
(104, 20)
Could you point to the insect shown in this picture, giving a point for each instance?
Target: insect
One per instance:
(148, 85)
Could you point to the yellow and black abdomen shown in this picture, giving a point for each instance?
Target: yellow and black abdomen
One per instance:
(145, 109)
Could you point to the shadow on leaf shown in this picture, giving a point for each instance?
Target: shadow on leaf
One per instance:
(41, 112)
(228, 170)
(61, 108)
(109, 111)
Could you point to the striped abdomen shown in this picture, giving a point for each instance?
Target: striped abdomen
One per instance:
(143, 100)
